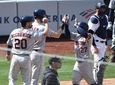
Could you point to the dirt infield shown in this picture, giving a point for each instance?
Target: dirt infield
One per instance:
(83, 82)
(62, 48)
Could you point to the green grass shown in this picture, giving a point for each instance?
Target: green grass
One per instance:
(110, 72)
(4, 68)
(65, 73)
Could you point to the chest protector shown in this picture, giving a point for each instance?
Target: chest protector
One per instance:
(102, 29)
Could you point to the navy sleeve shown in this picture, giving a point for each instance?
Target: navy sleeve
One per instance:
(93, 43)
(67, 32)
(91, 31)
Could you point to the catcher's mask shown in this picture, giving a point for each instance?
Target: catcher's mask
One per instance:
(102, 8)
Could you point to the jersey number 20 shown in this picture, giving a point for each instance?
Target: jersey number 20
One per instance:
(21, 44)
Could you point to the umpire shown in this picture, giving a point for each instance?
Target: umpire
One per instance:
(98, 28)
(50, 76)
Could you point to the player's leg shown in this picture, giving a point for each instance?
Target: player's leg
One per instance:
(14, 70)
(25, 69)
(88, 73)
(100, 73)
(99, 67)
(113, 37)
(102, 67)
(37, 61)
(99, 59)
(76, 76)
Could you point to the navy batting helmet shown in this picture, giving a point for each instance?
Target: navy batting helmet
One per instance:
(100, 5)
(26, 19)
(39, 13)
(82, 29)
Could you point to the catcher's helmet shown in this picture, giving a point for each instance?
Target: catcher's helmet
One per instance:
(54, 59)
(82, 29)
(39, 13)
(100, 5)
(26, 19)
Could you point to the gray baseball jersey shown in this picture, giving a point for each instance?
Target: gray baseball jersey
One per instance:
(22, 40)
(38, 59)
(82, 69)
(82, 51)
(40, 28)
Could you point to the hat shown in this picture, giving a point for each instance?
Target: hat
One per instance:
(54, 59)
(100, 5)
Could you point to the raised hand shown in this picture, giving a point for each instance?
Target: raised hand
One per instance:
(65, 19)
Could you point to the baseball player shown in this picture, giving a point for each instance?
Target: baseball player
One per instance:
(111, 25)
(98, 28)
(37, 60)
(21, 41)
(82, 68)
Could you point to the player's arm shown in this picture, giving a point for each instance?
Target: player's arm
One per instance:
(64, 25)
(45, 21)
(8, 53)
(58, 33)
(9, 46)
(93, 25)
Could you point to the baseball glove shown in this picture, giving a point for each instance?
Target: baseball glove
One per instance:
(113, 59)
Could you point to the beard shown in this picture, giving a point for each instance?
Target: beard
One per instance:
(101, 13)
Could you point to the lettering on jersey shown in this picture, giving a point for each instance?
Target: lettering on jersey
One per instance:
(21, 35)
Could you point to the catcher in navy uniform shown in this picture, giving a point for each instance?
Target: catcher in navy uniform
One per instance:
(98, 29)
